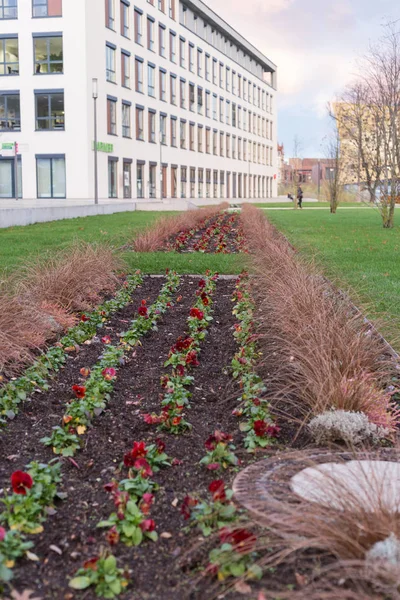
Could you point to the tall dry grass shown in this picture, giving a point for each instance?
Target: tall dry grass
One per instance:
(43, 296)
(318, 351)
(154, 237)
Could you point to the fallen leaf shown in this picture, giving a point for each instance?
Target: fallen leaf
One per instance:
(81, 429)
(175, 502)
(25, 595)
(32, 556)
(56, 549)
(166, 535)
(242, 587)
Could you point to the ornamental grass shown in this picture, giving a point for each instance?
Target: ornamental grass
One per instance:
(154, 237)
(319, 352)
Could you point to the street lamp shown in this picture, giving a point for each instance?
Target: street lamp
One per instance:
(95, 95)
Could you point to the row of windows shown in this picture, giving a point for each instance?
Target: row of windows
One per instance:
(48, 55)
(125, 26)
(50, 177)
(40, 8)
(191, 98)
(49, 111)
(189, 182)
(191, 137)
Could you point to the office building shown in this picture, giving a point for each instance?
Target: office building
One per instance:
(186, 107)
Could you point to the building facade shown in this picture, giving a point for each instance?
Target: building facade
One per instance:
(186, 107)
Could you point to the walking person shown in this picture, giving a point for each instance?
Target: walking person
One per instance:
(299, 197)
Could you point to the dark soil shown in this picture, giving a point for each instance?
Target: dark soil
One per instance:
(231, 239)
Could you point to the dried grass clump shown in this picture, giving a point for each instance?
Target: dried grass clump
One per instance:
(72, 279)
(154, 237)
(344, 426)
(321, 351)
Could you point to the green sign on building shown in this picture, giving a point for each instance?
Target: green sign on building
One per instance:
(102, 147)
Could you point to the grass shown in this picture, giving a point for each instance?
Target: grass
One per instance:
(18, 243)
(354, 249)
(308, 204)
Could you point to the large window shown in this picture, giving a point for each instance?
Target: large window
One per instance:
(50, 8)
(150, 34)
(112, 177)
(138, 27)
(183, 135)
(173, 90)
(125, 69)
(110, 63)
(161, 40)
(8, 9)
(173, 131)
(112, 116)
(7, 178)
(151, 82)
(50, 176)
(163, 85)
(152, 180)
(139, 180)
(139, 75)
(163, 129)
(110, 13)
(48, 54)
(126, 119)
(125, 28)
(152, 127)
(10, 113)
(49, 110)
(139, 123)
(9, 56)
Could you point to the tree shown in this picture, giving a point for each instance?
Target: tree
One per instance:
(333, 176)
(369, 126)
(297, 150)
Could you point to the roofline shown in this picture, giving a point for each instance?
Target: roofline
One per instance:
(202, 8)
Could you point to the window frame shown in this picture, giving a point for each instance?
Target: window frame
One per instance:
(6, 94)
(48, 62)
(3, 8)
(46, 4)
(8, 64)
(51, 158)
(50, 94)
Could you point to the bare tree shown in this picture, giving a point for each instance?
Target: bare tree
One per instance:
(333, 182)
(369, 127)
(297, 150)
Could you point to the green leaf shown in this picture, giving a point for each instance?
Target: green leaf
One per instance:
(237, 569)
(128, 529)
(115, 586)
(105, 524)
(80, 583)
(254, 572)
(110, 564)
(137, 536)
(152, 535)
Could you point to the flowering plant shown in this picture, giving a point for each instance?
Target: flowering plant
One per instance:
(219, 452)
(103, 573)
(209, 516)
(235, 557)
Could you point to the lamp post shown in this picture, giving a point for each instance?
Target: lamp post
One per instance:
(95, 95)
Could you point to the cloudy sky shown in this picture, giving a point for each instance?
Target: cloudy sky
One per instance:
(316, 44)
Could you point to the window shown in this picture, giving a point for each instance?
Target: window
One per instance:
(139, 123)
(9, 56)
(112, 116)
(163, 129)
(199, 63)
(48, 52)
(172, 82)
(151, 84)
(239, 149)
(244, 149)
(110, 63)
(233, 115)
(125, 69)
(173, 132)
(50, 176)
(49, 110)
(172, 47)
(221, 143)
(152, 180)
(215, 99)
(182, 52)
(138, 27)
(191, 58)
(8, 9)
(7, 177)
(161, 40)
(215, 142)
(161, 5)
(244, 89)
(125, 28)
(222, 184)
(112, 177)
(110, 12)
(208, 182)
(163, 85)
(199, 138)
(239, 86)
(182, 93)
(228, 112)
(234, 83)
(152, 127)
(208, 141)
(191, 137)
(10, 112)
(183, 181)
(221, 110)
(228, 145)
(215, 71)
(200, 182)
(53, 8)
(174, 181)
(150, 34)
(183, 135)
(139, 180)
(227, 78)
(126, 119)
(171, 9)
(207, 67)
(221, 75)
(127, 171)
(215, 181)
(139, 75)
(192, 182)
(192, 100)
(200, 100)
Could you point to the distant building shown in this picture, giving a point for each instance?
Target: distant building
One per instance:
(306, 170)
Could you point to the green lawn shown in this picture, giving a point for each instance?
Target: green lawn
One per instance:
(354, 249)
(19, 243)
(308, 204)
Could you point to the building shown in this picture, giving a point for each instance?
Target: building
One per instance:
(186, 107)
(307, 170)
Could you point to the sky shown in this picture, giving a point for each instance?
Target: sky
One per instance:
(317, 46)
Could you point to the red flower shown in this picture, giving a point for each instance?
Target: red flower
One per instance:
(191, 358)
(211, 443)
(112, 536)
(143, 312)
(139, 449)
(91, 563)
(217, 488)
(160, 446)
(164, 381)
(2, 533)
(263, 429)
(129, 460)
(147, 525)
(180, 370)
(242, 540)
(109, 373)
(147, 501)
(176, 462)
(143, 467)
(187, 504)
(197, 314)
(176, 421)
(21, 482)
(111, 487)
(205, 299)
(85, 372)
(202, 283)
(106, 339)
(213, 466)
(182, 344)
(151, 419)
(84, 318)
(79, 391)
